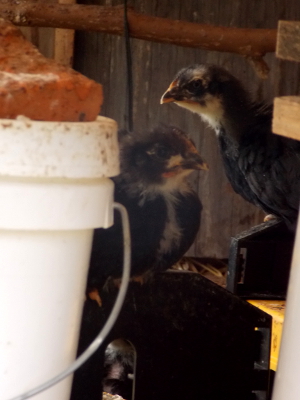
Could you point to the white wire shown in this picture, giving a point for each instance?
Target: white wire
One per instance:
(111, 319)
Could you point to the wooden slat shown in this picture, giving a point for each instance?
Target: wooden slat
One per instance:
(64, 42)
(288, 40)
(286, 119)
(42, 38)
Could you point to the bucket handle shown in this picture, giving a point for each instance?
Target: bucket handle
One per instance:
(111, 319)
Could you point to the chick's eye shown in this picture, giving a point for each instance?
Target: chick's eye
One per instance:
(162, 152)
(197, 83)
(159, 151)
(195, 86)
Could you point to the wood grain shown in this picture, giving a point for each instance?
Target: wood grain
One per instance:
(286, 119)
(288, 40)
(64, 42)
(43, 38)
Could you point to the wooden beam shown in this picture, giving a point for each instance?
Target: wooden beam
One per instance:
(247, 42)
(288, 40)
(286, 119)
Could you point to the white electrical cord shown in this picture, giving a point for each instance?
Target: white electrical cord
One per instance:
(111, 319)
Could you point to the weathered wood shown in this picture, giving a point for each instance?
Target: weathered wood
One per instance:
(43, 38)
(286, 119)
(243, 41)
(288, 40)
(64, 42)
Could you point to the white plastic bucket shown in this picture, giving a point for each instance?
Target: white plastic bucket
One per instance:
(54, 191)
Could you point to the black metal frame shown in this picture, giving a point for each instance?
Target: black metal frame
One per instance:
(259, 261)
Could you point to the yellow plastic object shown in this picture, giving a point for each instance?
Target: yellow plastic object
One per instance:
(276, 309)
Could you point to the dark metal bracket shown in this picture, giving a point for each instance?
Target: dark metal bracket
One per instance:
(259, 261)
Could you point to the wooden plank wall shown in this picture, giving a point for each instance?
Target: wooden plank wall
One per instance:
(43, 38)
(101, 57)
(53, 43)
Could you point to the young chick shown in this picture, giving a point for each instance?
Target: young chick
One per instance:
(262, 167)
(164, 211)
(119, 368)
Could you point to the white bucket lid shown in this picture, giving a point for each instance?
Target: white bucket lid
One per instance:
(42, 149)
(54, 175)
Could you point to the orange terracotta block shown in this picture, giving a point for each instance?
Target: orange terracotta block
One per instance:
(39, 88)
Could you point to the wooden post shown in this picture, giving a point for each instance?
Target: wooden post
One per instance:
(288, 40)
(64, 42)
(286, 119)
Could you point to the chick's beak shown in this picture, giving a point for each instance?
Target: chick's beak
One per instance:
(194, 161)
(190, 160)
(170, 94)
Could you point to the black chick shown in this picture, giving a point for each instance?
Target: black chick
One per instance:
(118, 372)
(262, 167)
(164, 211)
